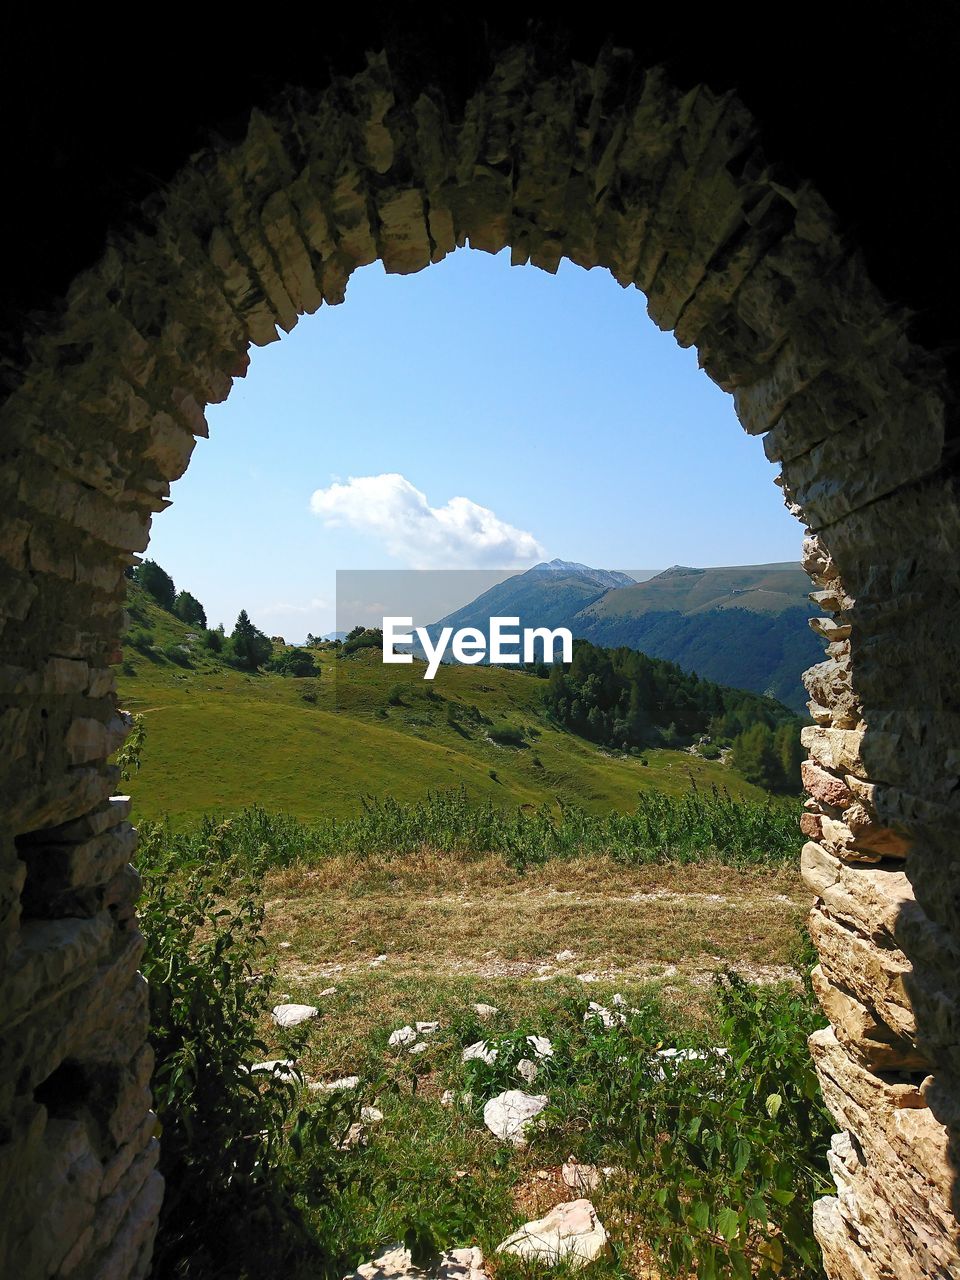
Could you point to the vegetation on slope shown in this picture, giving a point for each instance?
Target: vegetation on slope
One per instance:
(221, 736)
(662, 829)
(623, 698)
(744, 626)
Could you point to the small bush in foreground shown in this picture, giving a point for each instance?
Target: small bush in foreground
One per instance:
(728, 1153)
(228, 1135)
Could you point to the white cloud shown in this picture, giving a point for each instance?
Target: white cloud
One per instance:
(459, 535)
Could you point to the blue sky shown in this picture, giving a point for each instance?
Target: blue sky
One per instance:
(471, 416)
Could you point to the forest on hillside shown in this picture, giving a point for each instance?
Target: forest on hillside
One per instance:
(615, 697)
(624, 699)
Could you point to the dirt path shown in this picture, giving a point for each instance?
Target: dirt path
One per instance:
(609, 924)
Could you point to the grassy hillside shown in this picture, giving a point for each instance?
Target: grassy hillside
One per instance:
(218, 739)
(758, 588)
(744, 626)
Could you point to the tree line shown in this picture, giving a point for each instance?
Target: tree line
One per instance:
(624, 699)
(246, 647)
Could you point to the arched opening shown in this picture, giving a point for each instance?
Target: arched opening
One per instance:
(607, 165)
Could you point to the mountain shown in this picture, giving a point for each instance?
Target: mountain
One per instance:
(548, 595)
(740, 625)
(758, 588)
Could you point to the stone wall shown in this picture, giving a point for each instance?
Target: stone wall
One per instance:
(607, 165)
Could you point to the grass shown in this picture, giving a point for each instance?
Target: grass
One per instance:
(473, 867)
(379, 927)
(459, 933)
(219, 739)
(481, 931)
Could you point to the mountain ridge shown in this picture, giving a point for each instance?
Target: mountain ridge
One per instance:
(742, 625)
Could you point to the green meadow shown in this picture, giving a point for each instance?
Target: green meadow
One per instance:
(218, 739)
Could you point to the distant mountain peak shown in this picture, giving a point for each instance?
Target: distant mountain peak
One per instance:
(571, 565)
(680, 571)
(602, 577)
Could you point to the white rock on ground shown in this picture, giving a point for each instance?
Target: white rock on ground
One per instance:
(541, 1046)
(330, 991)
(334, 1086)
(480, 1049)
(291, 1015)
(427, 1028)
(563, 957)
(447, 1098)
(395, 1264)
(570, 1233)
(485, 1011)
(584, 1177)
(511, 1114)
(402, 1036)
(356, 1136)
(598, 1013)
(528, 1070)
(420, 1047)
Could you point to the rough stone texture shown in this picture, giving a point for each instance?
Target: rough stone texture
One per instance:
(511, 1115)
(608, 165)
(570, 1233)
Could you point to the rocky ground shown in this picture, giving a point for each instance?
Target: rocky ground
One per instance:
(432, 993)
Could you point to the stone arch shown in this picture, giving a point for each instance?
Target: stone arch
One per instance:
(608, 165)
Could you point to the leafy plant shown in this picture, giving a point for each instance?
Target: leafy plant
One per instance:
(229, 1133)
(727, 1152)
(129, 758)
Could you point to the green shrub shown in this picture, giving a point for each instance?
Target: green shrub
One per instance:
(177, 653)
(140, 638)
(728, 1154)
(506, 734)
(361, 638)
(293, 662)
(230, 1137)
